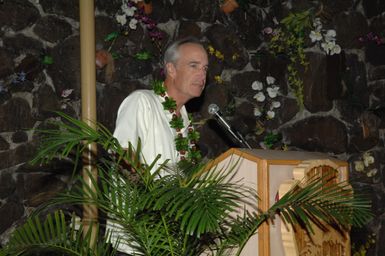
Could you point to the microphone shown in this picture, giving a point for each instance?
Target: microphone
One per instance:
(213, 109)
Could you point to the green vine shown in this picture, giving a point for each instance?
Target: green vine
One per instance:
(289, 40)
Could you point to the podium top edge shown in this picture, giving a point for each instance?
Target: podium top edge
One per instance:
(281, 155)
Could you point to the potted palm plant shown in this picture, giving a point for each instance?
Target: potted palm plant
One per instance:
(185, 211)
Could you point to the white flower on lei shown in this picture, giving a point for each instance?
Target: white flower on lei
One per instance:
(272, 91)
(257, 85)
(260, 97)
(270, 80)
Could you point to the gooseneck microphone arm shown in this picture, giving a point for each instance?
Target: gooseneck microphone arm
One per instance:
(213, 109)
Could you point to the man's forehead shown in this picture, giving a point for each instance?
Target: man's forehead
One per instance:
(191, 55)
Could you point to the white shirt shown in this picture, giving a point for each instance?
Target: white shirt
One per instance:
(141, 115)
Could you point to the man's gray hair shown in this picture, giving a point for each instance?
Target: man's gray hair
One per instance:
(172, 52)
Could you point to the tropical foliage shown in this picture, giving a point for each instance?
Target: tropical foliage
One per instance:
(184, 210)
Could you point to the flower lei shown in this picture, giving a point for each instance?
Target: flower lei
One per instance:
(186, 146)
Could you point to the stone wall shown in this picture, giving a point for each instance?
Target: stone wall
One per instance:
(344, 94)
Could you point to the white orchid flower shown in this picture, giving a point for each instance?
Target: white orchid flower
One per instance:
(257, 85)
(275, 104)
(335, 50)
(121, 19)
(270, 80)
(267, 30)
(359, 166)
(331, 47)
(328, 46)
(67, 92)
(272, 91)
(260, 97)
(257, 112)
(372, 172)
(330, 35)
(315, 36)
(129, 11)
(133, 23)
(368, 159)
(317, 22)
(270, 114)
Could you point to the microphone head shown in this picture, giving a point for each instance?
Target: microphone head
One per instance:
(213, 108)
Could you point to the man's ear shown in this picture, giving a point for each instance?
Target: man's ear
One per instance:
(170, 68)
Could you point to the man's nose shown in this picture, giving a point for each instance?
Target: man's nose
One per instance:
(203, 71)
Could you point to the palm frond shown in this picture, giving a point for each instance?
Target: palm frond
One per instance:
(320, 202)
(200, 203)
(241, 228)
(73, 135)
(54, 234)
(316, 203)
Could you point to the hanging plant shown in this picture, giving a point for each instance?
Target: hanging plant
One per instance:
(267, 98)
(101, 58)
(228, 6)
(105, 58)
(289, 40)
(132, 13)
(145, 5)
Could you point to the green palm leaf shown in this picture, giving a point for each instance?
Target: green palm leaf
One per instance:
(317, 203)
(54, 234)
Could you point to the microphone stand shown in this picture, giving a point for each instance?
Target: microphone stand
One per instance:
(237, 135)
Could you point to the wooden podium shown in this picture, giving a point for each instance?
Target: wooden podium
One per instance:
(268, 171)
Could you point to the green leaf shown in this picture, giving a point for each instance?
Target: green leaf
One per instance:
(270, 139)
(143, 55)
(169, 104)
(157, 86)
(47, 60)
(111, 36)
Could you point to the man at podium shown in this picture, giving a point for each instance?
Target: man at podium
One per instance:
(159, 117)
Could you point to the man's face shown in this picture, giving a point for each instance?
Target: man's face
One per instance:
(189, 72)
